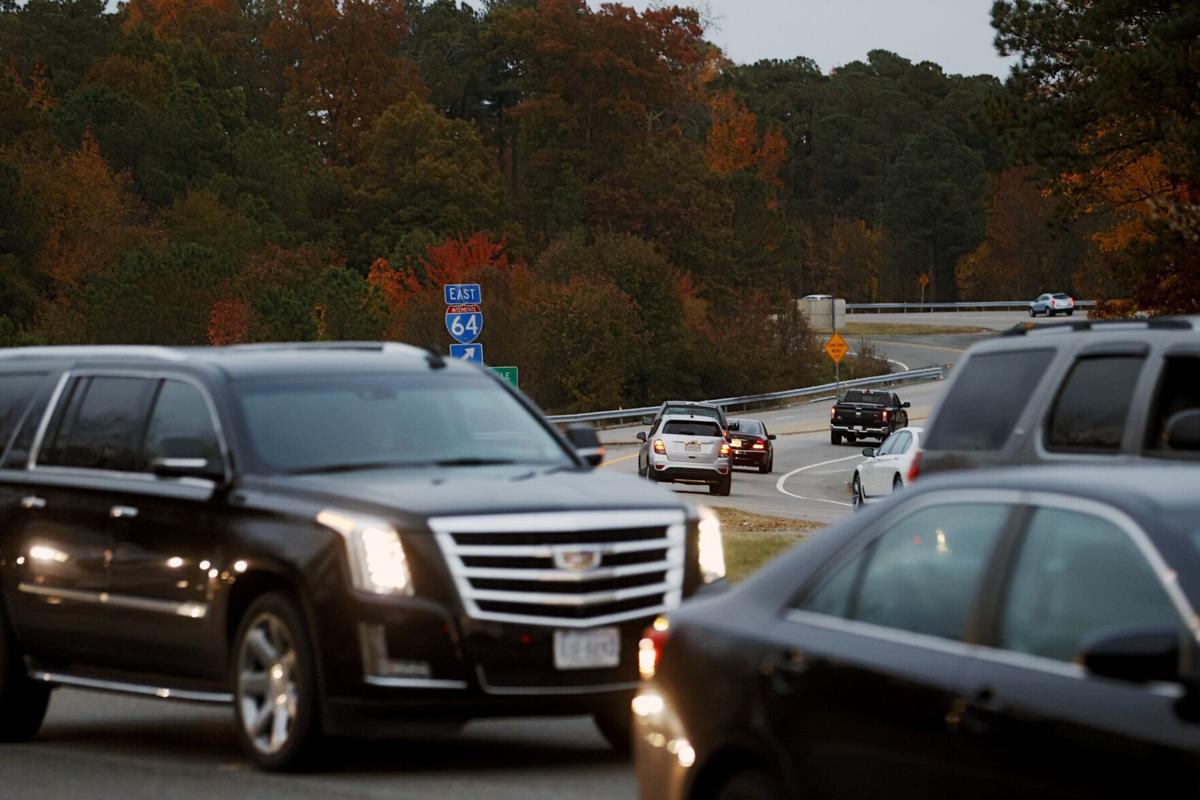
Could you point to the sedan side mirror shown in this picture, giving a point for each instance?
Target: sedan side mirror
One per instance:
(869, 452)
(641, 436)
(1183, 430)
(1138, 655)
(586, 443)
(771, 436)
(906, 405)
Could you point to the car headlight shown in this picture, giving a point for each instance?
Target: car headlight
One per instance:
(377, 561)
(712, 549)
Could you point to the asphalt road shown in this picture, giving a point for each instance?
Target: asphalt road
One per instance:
(108, 747)
(99, 747)
(996, 320)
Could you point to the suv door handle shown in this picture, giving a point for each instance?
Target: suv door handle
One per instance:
(32, 501)
(122, 512)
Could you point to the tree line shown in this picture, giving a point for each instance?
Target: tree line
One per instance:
(640, 211)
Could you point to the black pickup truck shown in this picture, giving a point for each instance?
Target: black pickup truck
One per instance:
(866, 414)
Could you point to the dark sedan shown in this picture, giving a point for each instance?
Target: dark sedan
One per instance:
(752, 445)
(1009, 634)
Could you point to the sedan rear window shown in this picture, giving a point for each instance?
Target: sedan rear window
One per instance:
(986, 401)
(681, 427)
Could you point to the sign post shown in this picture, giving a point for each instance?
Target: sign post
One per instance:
(924, 281)
(836, 348)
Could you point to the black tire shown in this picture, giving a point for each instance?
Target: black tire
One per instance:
(722, 489)
(767, 466)
(835, 438)
(750, 785)
(1050, 312)
(897, 483)
(23, 701)
(277, 617)
(616, 726)
(1071, 313)
(1032, 313)
(857, 499)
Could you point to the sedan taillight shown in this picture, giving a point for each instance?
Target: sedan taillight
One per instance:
(914, 469)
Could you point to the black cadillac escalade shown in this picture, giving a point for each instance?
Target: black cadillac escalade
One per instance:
(346, 539)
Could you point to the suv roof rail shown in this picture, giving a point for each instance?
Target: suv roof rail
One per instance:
(364, 347)
(79, 351)
(1151, 323)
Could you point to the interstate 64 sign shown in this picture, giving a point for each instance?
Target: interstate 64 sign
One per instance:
(464, 323)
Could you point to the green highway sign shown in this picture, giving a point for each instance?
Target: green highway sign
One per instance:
(509, 375)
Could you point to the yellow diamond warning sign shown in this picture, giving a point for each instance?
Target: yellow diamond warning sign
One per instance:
(836, 348)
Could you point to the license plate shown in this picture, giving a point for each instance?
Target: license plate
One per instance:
(599, 647)
(691, 447)
(736, 442)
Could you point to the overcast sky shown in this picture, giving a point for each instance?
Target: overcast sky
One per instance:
(954, 33)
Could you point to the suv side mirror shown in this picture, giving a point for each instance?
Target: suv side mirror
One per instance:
(869, 452)
(1183, 430)
(906, 405)
(1138, 655)
(641, 436)
(587, 443)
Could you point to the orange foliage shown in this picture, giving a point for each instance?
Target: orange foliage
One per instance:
(733, 138)
(172, 16)
(88, 212)
(460, 260)
(1128, 189)
(229, 322)
(344, 62)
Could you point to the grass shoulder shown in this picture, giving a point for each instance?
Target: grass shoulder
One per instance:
(752, 540)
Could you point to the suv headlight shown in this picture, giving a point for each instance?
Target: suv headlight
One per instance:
(712, 549)
(377, 561)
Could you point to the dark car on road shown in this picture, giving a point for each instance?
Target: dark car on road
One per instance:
(753, 445)
(1069, 393)
(332, 539)
(1014, 634)
(866, 414)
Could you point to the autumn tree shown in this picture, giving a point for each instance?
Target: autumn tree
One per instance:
(344, 66)
(1103, 92)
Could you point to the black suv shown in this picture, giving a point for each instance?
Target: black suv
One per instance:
(338, 539)
(1075, 392)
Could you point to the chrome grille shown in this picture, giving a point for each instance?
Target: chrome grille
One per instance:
(515, 567)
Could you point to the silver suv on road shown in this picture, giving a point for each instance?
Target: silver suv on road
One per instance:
(687, 448)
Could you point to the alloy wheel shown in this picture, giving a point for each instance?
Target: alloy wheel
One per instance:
(267, 687)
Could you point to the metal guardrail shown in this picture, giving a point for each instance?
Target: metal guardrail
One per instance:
(1003, 305)
(928, 374)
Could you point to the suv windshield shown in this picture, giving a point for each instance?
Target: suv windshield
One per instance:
(361, 422)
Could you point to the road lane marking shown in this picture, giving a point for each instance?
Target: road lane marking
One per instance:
(610, 462)
(784, 479)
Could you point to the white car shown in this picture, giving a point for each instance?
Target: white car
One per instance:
(1051, 304)
(886, 469)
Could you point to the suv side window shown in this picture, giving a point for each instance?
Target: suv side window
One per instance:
(921, 574)
(987, 399)
(1089, 414)
(100, 425)
(181, 425)
(1178, 390)
(1077, 575)
(15, 393)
